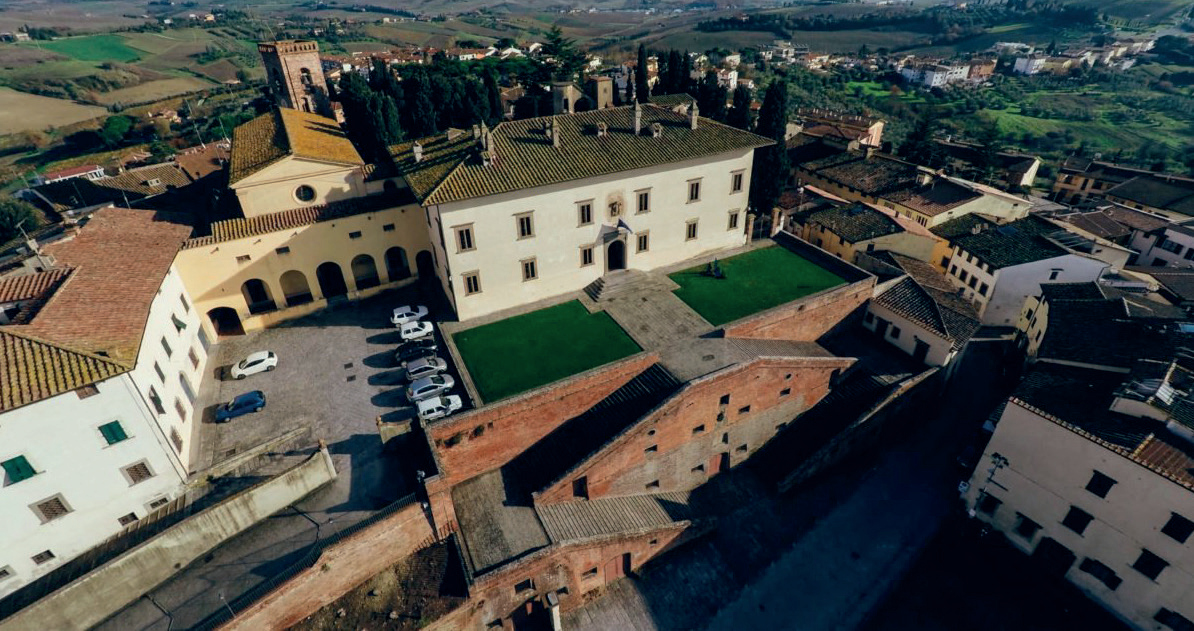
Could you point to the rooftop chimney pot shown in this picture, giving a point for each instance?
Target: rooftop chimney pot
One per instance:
(638, 118)
(417, 150)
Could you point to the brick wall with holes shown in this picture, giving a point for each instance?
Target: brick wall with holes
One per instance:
(471, 444)
(714, 423)
(515, 591)
(806, 320)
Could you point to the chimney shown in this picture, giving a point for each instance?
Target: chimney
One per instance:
(487, 158)
(693, 115)
(656, 130)
(417, 150)
(553, 132)
(924, 178)
(638, 118)
(602, 129)
(476, 132)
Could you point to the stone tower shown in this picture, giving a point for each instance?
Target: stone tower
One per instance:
(295, 75)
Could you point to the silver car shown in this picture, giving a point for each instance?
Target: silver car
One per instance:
(425, 367)
(428, 387)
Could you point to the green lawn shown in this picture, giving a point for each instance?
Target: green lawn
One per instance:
(755, 281)
(94, 48)
(517, 354)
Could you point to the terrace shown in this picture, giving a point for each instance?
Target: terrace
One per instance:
(676, 312)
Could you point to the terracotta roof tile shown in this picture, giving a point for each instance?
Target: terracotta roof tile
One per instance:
(30, 286)
(120, 258)
(451, 169)
(131, 185)
(33, 369)
(242, 227)
(935, 198)
(286, 132)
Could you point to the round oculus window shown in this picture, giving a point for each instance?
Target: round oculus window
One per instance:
(304, 193)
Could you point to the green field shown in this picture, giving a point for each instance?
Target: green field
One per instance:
(94, 48)
(517, 354)
(754, 281)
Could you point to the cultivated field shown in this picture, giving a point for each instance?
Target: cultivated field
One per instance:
(23, 112)
(154, 90)
(94, 48)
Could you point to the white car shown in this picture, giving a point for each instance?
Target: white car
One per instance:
(439, 407)
(411, 313)
(415, 330)
(425, 367)
(261, 361)
(428, 387)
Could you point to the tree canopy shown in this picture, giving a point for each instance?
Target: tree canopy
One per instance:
(14, 215)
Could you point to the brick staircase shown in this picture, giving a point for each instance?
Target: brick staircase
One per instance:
(625, 282)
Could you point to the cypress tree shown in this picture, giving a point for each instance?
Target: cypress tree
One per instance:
(739, 116)
(771, 163)
(494, 96)
(641, 93)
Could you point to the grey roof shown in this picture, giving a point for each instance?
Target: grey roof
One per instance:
(572, 521)
(496, 523)
(1099, 224)
(856, 222)
(1102, 333)
(1016, 243)
(1179, 283)
(942, 313)
(1135, 219)
(1176, 195)
(1082, 397)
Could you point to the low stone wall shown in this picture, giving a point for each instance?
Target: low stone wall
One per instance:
(340, 568)
(89, 600)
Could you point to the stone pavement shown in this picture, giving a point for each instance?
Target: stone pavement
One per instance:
(335, 373)
(822, 557)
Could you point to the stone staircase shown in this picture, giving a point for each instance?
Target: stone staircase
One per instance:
(625, 282)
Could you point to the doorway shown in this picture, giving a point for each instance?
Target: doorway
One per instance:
(921, 351)
(881, 327)
(425, 265)
(615, 256)
(225, 321)
(331, 280)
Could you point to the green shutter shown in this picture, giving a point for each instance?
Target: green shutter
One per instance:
(113, 432)
(18, 469)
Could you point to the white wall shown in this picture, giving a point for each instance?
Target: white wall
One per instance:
(272, 189)
(940, 350)
(61, 440)
(558, 237)
(1048, 469)
(1002, 303)
(173, 301)
(1156, 255)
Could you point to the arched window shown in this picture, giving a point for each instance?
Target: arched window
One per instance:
(305, 76)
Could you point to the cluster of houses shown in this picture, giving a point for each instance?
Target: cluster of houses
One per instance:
(1119, 55)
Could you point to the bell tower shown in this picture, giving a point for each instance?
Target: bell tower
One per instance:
(295, 75)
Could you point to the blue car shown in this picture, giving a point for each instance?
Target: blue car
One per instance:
(241, 405)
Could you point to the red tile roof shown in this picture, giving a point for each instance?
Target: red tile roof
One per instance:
(70, 172)
(33, 369)
(1166, 459)
(242, 228)
(120, 258)
(30, 286)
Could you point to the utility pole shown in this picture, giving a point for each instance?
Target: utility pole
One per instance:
(32, 244)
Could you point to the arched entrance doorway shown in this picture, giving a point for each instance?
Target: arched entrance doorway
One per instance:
(257, 296)
(425, 264)
(397, 267)
(364, 272)
(615, 256)
(295, 288)
(225, 321)
(331, 280)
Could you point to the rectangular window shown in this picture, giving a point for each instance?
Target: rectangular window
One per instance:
(17, 469)
(1099, 484)
(464, 238)
(644, 201)
(526, 225)
(51, 509)
(166, 345)
(86, 391)
(525, 586)
(1025, 527)
(988, 504)
(1105, 574)
(652, 449)
(744, 409)
(127, 519)
(654, 484)
(1149, 564)
(690, 230)
(178, 407)
(584, 212)
(953, 269)
(113, 432)
(699, 469)
(1178, 527)
(282, 250)
(156, 400)
(529, 270)
(186, 308)
(161, 375)
(388, 228)
(895, 332)
(193, 356)
(963, 275)
(643, 243)
(733, 221)
(586, 256)
(736, 182)
(176, 438)
(724, 400)
(138, 473)
(472, 283)
(242, 259)
(1077, 520)
(698, 429)
(1174, 620)
(983, 289)
(43, 557)
(1053, 274)
(694, 191)
(589, 573)
(973, 282)
(5, 572)
(740, 449)
(785, 392)
(355, 234)
(179, 325)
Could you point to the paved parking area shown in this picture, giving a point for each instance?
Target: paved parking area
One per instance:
(336, 374)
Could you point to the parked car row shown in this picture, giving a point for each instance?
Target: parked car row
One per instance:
(249, 402)
(427, 373)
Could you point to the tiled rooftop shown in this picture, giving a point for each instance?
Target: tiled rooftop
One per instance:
(32, 369)
(942, 312)
(856, 223)
(935, 198)
(524, 156)
(1016, 243)
(127, 187)
(30, 286)
(1151, 190)
(287, 132)
(874, 175)
(571, 521)
(120, 258)
(245, 227)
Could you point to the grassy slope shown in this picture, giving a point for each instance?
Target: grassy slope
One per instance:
(755, 281)
(523, 352)
(94, 48)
